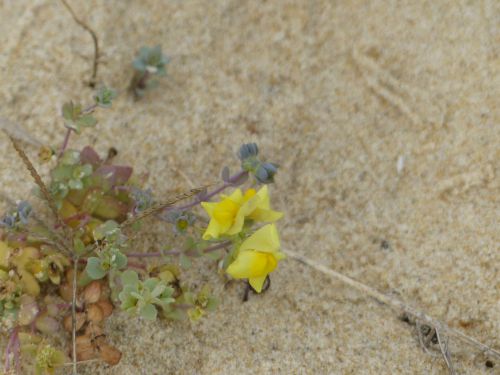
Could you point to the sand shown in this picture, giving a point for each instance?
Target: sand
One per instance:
(384, 117)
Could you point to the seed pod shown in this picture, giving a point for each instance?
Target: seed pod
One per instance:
(110, 354)
(80, 321)
(84, 348)
(94, 314)
(66, 292)
(92, 292)
(93, 330)
(106, 307)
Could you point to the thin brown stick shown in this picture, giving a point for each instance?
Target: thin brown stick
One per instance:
(93, 78)
(395, 304)
(73, 314)
(161, 206)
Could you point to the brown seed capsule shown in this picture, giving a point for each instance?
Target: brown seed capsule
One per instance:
(84, 348)
(94, 314)
(93, 330)
(106, 307)
(69, 274)
(66, 292)
(110, 354)
(92, 292)
(80, 321)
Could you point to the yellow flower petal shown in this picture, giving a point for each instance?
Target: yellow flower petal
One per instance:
(263, 194)
(265, 239)
(213, 230)
(252, 264)
(257, 283)
(265, 215)
(209, 207)
(236, 196)
(225, 212)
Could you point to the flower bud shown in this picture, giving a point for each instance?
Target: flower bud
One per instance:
(248, 150)
(24, 211)
(265, 172)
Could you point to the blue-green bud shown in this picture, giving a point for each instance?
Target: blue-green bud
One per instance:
(23, 211)
(248, 150)
(265, 172)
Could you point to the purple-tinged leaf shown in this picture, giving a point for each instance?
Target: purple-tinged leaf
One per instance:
(89, 156)
(114, 174)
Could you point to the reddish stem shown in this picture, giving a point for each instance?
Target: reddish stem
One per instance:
(87, 110)
(13, 346)
(65, 142)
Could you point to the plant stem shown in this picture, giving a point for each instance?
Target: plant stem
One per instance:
(85, 111)
(7, 351)
(73, 313)
(65, 142)
(177, 252)
(230, 182)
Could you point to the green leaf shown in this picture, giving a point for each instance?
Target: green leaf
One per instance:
(174, 315)
(110, 207)
(67, 111)
(94, 268)
(212, 304)
(148, 312)
(130, 277)
(86, 121)
(120, 260)
(104, 97)
(75, 184)
(61, 173)
(78, 246)
(106, 229)
(70, 157)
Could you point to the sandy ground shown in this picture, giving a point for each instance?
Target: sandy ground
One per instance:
(385, 118)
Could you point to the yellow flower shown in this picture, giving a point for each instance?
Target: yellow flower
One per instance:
(228, 216)
(257, 257)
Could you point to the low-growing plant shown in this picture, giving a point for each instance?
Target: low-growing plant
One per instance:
(70, 274)
(149, 64)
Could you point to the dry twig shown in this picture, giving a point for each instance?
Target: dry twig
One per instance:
(73, 313)
(161, 206)
(398, 306)
(93, 78)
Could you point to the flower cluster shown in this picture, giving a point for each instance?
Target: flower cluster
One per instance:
(258, 253)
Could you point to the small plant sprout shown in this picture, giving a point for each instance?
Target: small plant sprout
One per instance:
(76, 117)
(149, 64)
(70, 274)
